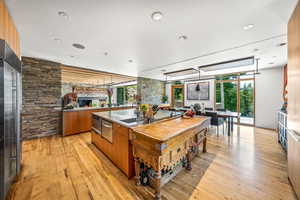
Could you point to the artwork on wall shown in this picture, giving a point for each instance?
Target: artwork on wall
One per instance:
(198, 91)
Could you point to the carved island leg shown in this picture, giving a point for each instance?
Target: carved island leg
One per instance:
(157, 186)
(137, 172)
(204, 142)
(189, 160)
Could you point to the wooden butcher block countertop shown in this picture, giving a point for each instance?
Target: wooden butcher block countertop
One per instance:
(167, 129)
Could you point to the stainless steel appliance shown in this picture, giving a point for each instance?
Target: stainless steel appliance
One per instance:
(107, 130)
(96, 124)
(10, 106)
(294, 160)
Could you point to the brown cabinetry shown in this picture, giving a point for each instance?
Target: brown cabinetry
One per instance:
(8, 30)
(70, 123)
(79, 121)
(119, 151)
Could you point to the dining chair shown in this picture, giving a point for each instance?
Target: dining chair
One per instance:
(224, 118)
(215, 120)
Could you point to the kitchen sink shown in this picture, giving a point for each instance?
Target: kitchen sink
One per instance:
(131, 120)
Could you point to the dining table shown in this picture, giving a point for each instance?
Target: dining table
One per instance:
(228, 116)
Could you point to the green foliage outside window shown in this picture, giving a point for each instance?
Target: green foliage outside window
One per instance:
(178, 93)
(230, 97)
(246, 100)
(125, 95)
(120, 95)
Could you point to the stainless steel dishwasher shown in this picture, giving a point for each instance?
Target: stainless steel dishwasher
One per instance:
(294, 160)
(107, 130)
(96, 124)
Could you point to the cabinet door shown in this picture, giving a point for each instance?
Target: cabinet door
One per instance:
(120, 147)
(70, 122)
(85, 120)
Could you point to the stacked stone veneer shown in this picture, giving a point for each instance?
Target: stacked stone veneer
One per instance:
(150, 90)
(41, 106)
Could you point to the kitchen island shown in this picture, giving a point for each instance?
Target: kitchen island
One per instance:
(111, 131)
(153, 152)
(79, 120)
(161, 150)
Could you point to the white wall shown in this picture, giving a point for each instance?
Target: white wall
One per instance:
(209, 103)
(268, 96)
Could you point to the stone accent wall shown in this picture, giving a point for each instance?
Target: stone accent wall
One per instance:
(41, 107)
(150, 90)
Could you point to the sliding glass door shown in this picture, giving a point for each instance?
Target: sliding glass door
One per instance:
(226, 95)
(235, 93)
(247, 101)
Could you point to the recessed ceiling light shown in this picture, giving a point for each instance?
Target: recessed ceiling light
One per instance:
(78, 46)
(130, 61)
(163, 70)
(156, 16)
(282, 44)
(63, 14)
(274, 56)
(72, 56)
(105, 53)
(183, 37)
(255, 50)
(271, 63)
(248, 27)
(57, 40)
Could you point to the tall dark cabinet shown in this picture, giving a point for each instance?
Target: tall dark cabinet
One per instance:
(10, 108)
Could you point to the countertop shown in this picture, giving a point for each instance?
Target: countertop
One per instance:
(118, 115)
(96, 108)
(166, 129)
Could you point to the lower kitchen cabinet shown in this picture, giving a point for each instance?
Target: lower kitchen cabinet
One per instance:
(119, 151)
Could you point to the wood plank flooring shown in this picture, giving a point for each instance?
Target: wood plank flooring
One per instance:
(248, 165)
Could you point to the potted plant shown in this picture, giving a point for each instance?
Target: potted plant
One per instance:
(164, 99)
(144, 108)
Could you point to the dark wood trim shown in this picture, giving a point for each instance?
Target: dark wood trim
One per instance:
(226, 62)
(183, 70)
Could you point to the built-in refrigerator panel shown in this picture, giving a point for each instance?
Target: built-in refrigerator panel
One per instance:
(294, 160)
(10, 108)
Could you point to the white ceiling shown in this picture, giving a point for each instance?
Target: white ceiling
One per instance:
(125, 30)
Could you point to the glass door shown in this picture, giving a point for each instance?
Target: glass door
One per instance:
(246, 101)
(120, 96)
(177, 95)
(235, 93)
(226, 95)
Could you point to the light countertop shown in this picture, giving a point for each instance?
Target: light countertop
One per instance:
(96, 108)
(119, 115)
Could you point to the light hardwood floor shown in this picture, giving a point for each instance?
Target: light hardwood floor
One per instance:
(248, 165)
